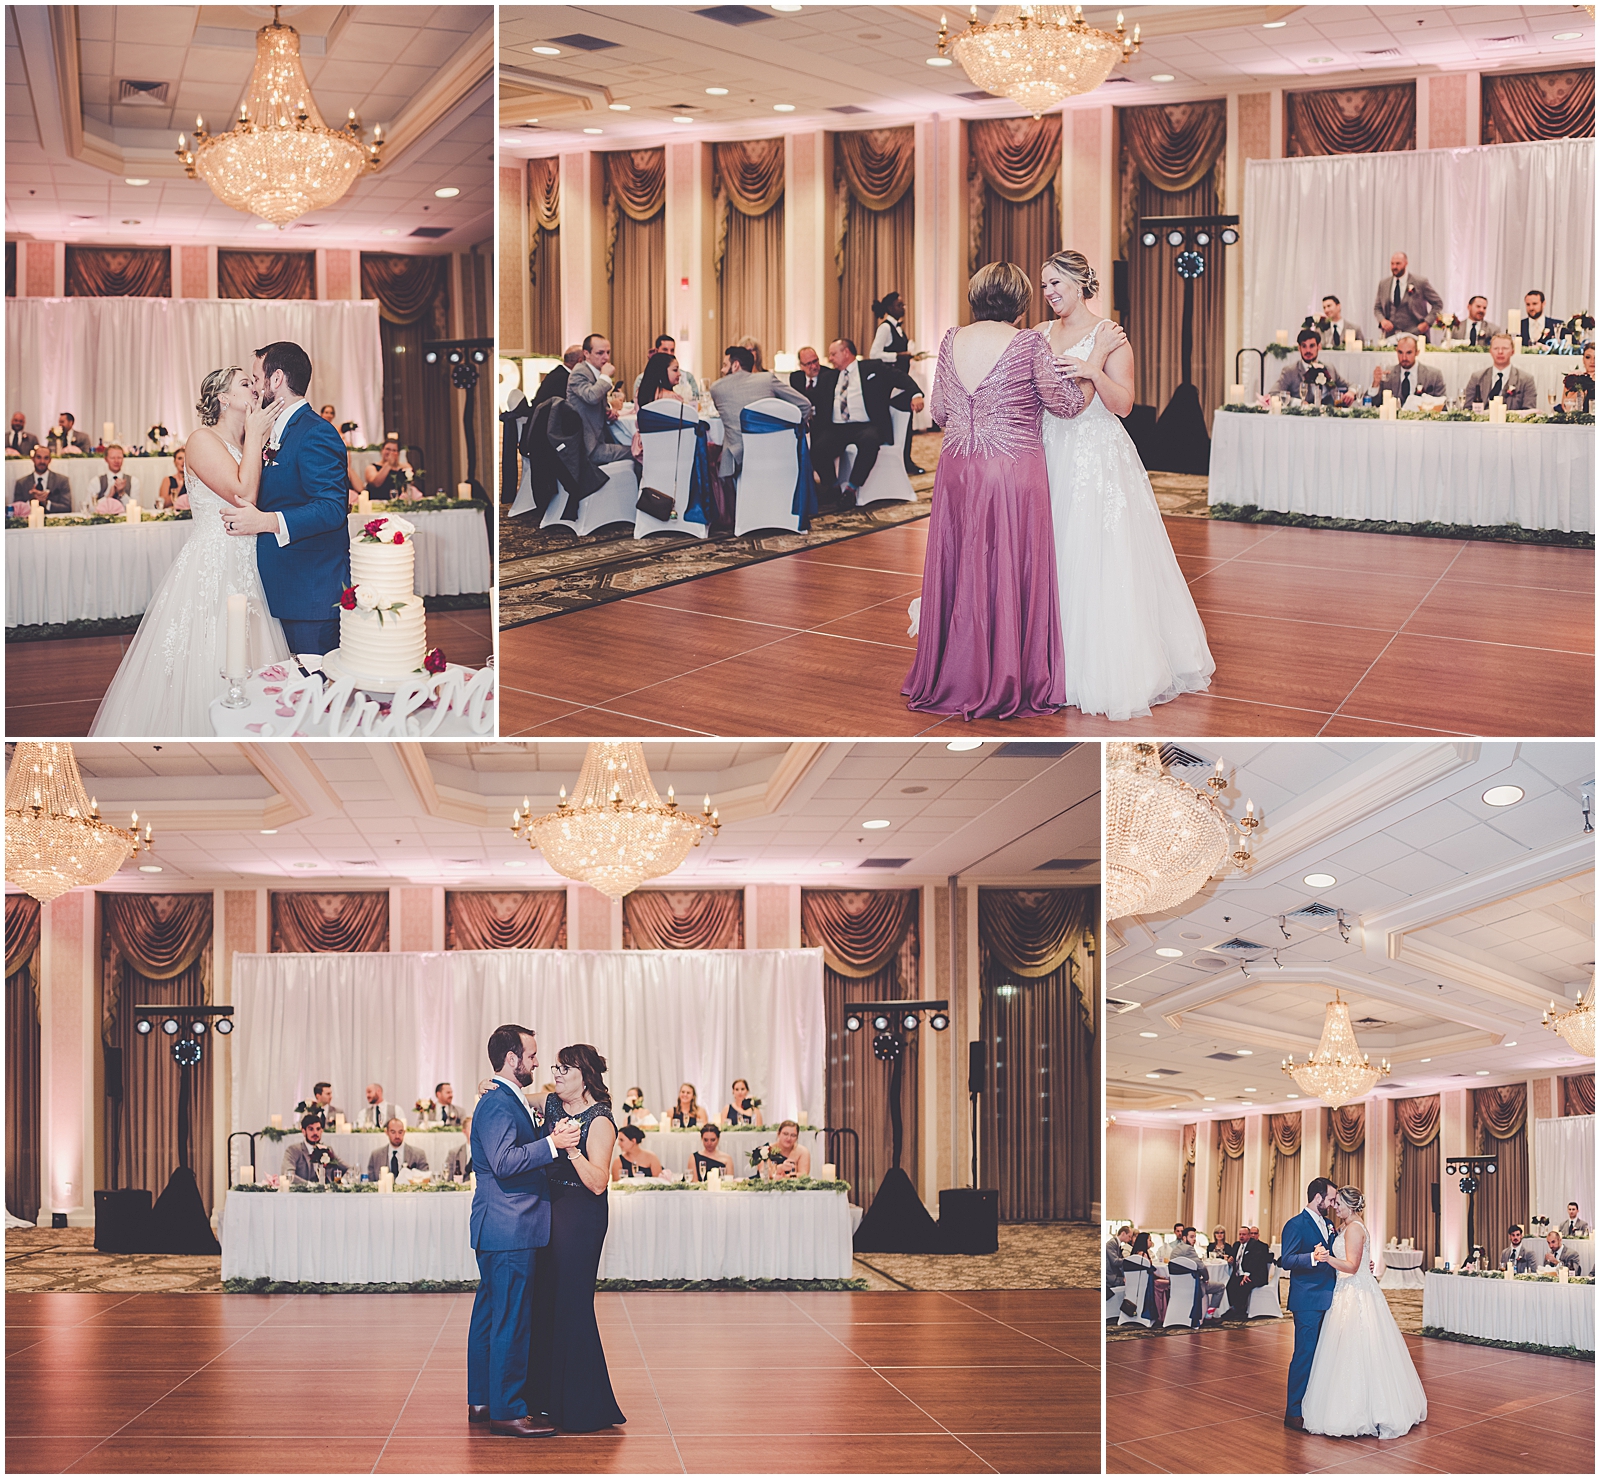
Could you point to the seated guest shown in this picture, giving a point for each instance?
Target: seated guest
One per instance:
(43, 486)
(661, 380)
(633, 1105)
(860, 416)
(1538, 327)
(172, 486)
(21, 441)
(666, 344)
(790, 1158)
(390, 475)
(1503, 380)
(742, 1109)
(1573, 1225)
(1558, 1255)
(1404, 303)
(1407, 378)
(815, 381)
(329, 415)
(115, 482)
(1252, 1270)
(755, 351)
(1523, 1255)
(687, 1110)
(444, 1104)
(1474, 330)
(1169, 1246)
(589, 387)
(1187, 1255)
(303, 1160)
(632, 1159)
(742, 385)
(1338, 324)
(458, 1164)
(72, 441)
(1584, 383)
(709, 1157)
(554, 385)
(1299, 374)
(1220, 1247)
(322, 1098)
(396, 1156)
(1116, 1250)
(379, 1111)
(1141, 1259)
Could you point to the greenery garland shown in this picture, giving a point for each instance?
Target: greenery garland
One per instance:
(1502, 533)
(66, 521)
(792, 1286)
(360, 1188)
(797, 1183)
(425, 505)
(1370, 413)
(277, 1286)
(1571, 1352)
(1493, 1273)
(602, 1286)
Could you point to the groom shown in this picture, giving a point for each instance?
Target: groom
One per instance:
(1306, 1238)
(302, 509)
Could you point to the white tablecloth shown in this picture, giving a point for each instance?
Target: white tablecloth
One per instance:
(355, 1149)
(1518, 1310)
(81, 473)
(727, 1235)
(1402, 1268)
(1453, 472)
(676, 1148)
(81, 572)
(347, 1238)
(1546, 369)
(452, 548)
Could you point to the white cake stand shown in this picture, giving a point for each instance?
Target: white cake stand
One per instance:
(334, 665)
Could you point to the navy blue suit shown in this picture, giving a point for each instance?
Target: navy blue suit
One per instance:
(308, 483)
(510, 1220)
(1310, 1294)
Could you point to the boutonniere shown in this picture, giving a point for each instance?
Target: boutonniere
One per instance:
(269, 454)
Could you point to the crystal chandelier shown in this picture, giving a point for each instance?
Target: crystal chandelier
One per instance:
(280, 160)
(1576, 1024)
(1338, 1071)
(55, 840)
(1164, 839)
(616, 832)
(1036, 55)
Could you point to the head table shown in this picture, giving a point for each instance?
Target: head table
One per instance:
(676, 1148)
(355, 1148)
(1524, 1311)
(1458, 366)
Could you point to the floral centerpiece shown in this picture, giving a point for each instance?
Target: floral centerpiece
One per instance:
(423, 1108)
(1577, 326)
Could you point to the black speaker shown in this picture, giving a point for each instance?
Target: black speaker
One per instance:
(1119, 288)
(1435, 1190)
(122, 1221)
(113, 1073)
(969, 1220)
(977, 1063)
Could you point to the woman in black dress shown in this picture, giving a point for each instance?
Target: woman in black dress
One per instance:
(567, 1376)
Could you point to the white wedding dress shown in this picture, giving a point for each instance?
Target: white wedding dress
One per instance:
(173, 667)
(1130, 631)
(1362, 1382)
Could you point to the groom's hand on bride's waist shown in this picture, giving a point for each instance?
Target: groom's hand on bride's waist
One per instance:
(248, 519)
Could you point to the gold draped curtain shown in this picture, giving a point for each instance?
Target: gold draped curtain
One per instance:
(1351, 120)
(1283, 1171)
(1416, 1164)
(266, 274)
(1230, 1173)
(1191, 1134)
(341, 923)
(413, 294)
(1174, 146)
(1500, 1123)
(155, 949)
(408, 288)
(544, 252)
(525, 920)
(683, 919)
(748, 255)
(22, 1056)
(119, 272)
(1347, 1141)
(1035, 932)
(636, 254)
(874, 223)
(1577, 1094)
(1521, 106)
(1013, 203)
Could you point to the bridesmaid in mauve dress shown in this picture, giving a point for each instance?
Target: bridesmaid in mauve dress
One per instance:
(989, 629)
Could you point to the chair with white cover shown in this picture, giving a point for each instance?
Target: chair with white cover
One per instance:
(1265, 1302)
(888, 482)
(1188, 1291)
(616, 503)
(1133, 1292)
(1114, 1298)
(668, 464)
(771, 468)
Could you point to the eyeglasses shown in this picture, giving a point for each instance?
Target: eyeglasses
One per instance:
(561, 1070)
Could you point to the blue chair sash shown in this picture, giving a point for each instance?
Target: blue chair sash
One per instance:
(758, 423)
(1197, 1309)
(694, 509)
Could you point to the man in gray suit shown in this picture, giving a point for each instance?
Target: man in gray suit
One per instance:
(1297, 373)
(1407, 378)
(458, 1164)
(379, 1111)
(1574, 1224)
(587, 388)
(302, 1160)
(1404, 302)
(1475, 330)
(1338, 324)
(1503, 379)
(742, 385)
(396, 1156)
(1558, 1254)
(20, 440)
(43, 486)
(1523, 1254)
(71, 439)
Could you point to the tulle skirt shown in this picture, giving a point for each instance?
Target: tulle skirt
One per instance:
(1362, 1383)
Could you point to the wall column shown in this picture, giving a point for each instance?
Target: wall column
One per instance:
(1455, 1122)
(1378, 1169)
(1205, 1175)
(691, 282)
(516, 326)
(583, 248)
(1255, 1168)
(807, 241)
(1089, 191)
(69, 1034)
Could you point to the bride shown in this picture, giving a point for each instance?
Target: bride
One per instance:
(1131, 633)
(1362, 1379)
(173, 667)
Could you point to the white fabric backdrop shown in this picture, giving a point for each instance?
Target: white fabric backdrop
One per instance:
(409, 1021)
(1563, 1167)
(1496, 220)
(139, 362)
(1545, 1313)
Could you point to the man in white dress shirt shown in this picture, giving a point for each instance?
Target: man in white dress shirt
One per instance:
(115, 481)
(1537, 325)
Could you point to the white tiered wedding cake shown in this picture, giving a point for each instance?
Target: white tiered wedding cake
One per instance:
(382, 627)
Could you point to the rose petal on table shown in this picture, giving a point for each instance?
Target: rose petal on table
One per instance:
(255, 728)
(284, 712)
(278, 689)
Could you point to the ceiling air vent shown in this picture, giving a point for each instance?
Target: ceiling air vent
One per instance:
(978, 97)
(1176, 755)
(579, 42)
(1386, 51)
(1314, 911)
(734, 15)
(1163, 1073)
(883, 862)
(1119, 1006)
(847, 108)
(1238, 946)
(433, 231)
(1224, 1057)
(1065, 865)
(1370, 1022)
(129, 91)
(1499, 41)
(1023, 750)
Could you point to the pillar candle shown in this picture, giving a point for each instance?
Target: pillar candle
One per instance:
(1514, 323)
(1350, 338)
(284, 1178)
(247, 1176)
(828, 1171)
(135, 513)
(1497, 411)
(1511, 1271)
(1236, 395)
(237, 655)
(463, 491)
(108, 432)
(1282, 336)
(364, 502)
(1355, 345)
(1274, 405)
(36, 516)
(714, 1179)
(277, 1122)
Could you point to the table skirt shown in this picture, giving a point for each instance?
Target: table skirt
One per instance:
(1527, 1313)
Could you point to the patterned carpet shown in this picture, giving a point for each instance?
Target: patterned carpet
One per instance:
(1404, 1304)
(1033, 1255)
(1181, 494)
(46, 1259)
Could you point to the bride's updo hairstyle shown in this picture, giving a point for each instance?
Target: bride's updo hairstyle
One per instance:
(999, 292)
(212, 389)
(1352, 1197)
(1075, 266)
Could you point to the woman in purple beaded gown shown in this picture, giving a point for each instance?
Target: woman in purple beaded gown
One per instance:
(988, 622)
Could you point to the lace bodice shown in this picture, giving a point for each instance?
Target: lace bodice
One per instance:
(205, 506)
(1339, 1252)
(1002, 415)
(1096, 409)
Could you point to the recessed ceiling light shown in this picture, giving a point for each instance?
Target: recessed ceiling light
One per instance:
(302, 865)
(1244, 1052)
(149, 867)
(1511, 1044)
(260, 226)
(831, 866)
(1190, 935)
(1273, 25)
(783, 107)
(1211, 1098)
(530, 120)
(1163, 77)
(1568, 36)
(960, 747)
(1292, 1096)
(594, 130)
(1148, 1034)
(1318, 61)
(390, 231)
(679, 118)
(1152, 1075)
(1170, 952)
(1503, 795)
(716, 92)
(1247, 1091)
(135, 182)
(787, 7)
(940, 61)
(446, 192)
(620, 107)
(269, 831)
(132, 223)
(516, 863)
(1424, 1060)
(1320, 880)
(545, 50)
(875, 826)
(1483, 1073)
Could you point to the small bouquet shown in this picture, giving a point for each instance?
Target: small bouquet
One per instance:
(364, 598)
(1577, 326)
(769, 1153)
(157, 438)
(321, 1157)
(423, 1107)
(1443, 320)
(386, 529)
(627, 1104)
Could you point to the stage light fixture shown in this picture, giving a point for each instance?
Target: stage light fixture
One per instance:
(431, 357)
(480, 356)
(1202, 237)
(454, 356)
(880, 1023)
(170, 1027)
(1149, 238)
(910, 1021)
(852, 1023)
(1229, 236)
(938, 1021)
(886, 1047)
(186, 1052)
(1174, 237)
(143, 1026)
(224, 1025)
(198, 1027)
(1190, 264)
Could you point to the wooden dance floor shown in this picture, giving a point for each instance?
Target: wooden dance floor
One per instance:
(1213, 1404)
(989, 1382)
(1315, 632)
